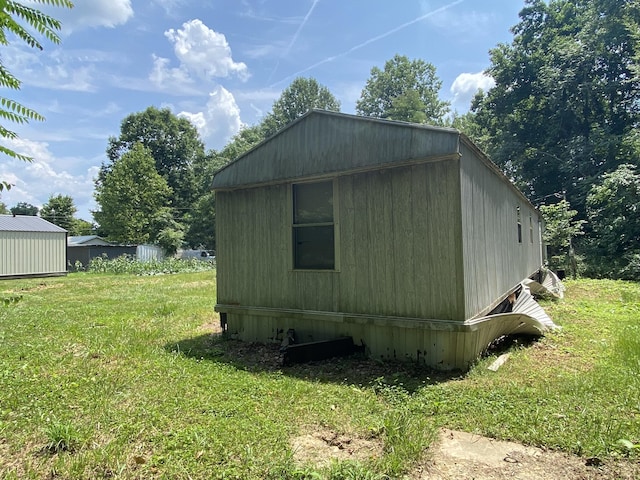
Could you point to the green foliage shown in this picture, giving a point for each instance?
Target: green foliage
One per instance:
(81, 227)
(202, 227)
(561, 228)
(20, 20)
(242, 142)
(468, 124)
(408, 107)
(24, 208)
(302, 95)
(3, 209)
(127, 265)
(613, 207)
(62, 437)
(405, 90)
(352, 470)
(130, 195)
(173, 143)
(170, 238)
(10, 300)
(566, 95)
(60, 210)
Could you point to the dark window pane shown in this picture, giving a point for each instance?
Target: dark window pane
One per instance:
(313, 202)
(314, 247)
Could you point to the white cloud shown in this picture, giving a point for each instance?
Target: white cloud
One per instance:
(36, 181)
(56, 70)
(468, 21)
(169, 6)
(219, 121)
(466, 85)
(93, 13)
(169, 79)
(205, 52)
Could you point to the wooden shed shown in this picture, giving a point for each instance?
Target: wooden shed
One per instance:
(31, 247)
(405, 237)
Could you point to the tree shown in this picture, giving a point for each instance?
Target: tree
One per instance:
(11, 13)
(82, 227)
(202, 223)
(131, 195)
(302, 95)
(60, 210)
(561, 228)
(173, 143)
(567, 95)
(24, 208)
(242, 142)
(405, 90)
(3, 209)
(613, 207)
(169, 234)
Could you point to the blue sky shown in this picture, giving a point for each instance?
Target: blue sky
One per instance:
(221, 64)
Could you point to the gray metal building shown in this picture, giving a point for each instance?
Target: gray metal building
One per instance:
(402, 236)
(31, 247)
(82, 249)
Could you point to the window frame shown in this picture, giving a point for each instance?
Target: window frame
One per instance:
(294, 227)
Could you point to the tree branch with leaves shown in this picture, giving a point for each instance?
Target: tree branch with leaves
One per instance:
(17, 18)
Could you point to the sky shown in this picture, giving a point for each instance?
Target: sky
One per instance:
(221, 64)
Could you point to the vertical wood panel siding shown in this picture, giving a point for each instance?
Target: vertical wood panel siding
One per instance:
(494, 260)
(398, 241)
(329, 143)
(32, 253)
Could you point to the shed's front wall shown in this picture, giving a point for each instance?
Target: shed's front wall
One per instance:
(333, 144)
(495, 258)
(32, 253)
(396, 244)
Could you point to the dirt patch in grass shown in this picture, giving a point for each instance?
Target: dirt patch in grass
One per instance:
(320, 446)
(463, 455)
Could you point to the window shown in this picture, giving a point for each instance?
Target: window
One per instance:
(313, 226)
(519, 227)
(530, 229)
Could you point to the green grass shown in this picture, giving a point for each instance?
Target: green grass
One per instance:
(119, 376)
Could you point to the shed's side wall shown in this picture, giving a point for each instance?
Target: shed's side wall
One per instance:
(397, 242)
(494, 260)
(32, 253)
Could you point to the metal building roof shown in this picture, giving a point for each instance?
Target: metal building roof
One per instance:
(27, 223)
(91, 240)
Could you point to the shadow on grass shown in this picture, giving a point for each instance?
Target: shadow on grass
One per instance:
(355, 369)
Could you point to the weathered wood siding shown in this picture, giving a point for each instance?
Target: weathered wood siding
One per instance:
(398, 243)
(329, 143)
(32, 253)
(494, 260)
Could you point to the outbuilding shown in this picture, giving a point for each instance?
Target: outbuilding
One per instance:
(31, 247)
(405, 237)
(84, 248)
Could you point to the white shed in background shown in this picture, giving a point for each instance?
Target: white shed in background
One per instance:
(31, 247)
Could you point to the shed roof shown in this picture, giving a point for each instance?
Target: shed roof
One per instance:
(79, 240)
(27, 223)
(322, 143)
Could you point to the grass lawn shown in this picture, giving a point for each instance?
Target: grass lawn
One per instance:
(119, 376)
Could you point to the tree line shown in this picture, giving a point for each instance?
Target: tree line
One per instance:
(562, 121)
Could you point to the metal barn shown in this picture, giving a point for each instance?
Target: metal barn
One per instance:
(31, 247)
(405, 237)
(82, 249)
